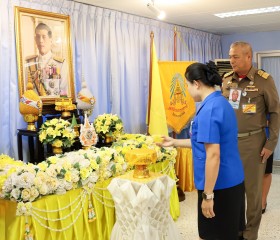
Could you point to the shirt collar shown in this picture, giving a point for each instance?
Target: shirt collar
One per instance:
(210, 96)
(45, 58)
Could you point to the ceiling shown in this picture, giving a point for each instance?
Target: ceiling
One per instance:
(198, 14)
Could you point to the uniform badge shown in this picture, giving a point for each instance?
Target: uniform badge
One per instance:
(249, 108)
(251, 89)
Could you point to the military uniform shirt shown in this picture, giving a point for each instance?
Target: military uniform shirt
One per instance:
(266, 99)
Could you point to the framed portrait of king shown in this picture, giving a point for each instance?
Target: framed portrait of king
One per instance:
(44, 55)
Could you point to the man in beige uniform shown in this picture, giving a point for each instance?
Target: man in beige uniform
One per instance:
(259, 97)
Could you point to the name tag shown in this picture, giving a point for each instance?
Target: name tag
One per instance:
(249, 108)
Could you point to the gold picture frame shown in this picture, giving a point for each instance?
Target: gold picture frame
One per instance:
(44, 54)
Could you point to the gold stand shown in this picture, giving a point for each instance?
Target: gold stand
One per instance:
(65, 106)
(141, 171)
(30, 119)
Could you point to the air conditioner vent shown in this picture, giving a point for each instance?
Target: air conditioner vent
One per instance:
(223, 66)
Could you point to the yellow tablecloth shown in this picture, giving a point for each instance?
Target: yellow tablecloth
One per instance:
(13, 227)
(184, 169)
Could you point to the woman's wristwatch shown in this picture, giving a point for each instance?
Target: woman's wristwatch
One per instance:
(206, 196)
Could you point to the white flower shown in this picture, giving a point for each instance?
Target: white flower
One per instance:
(75, 176)
(24, 209)
(26, 194)
(51, 171)
(43, 189)
(15, 193)
(34, 194)
(61, 189)
(8, 185)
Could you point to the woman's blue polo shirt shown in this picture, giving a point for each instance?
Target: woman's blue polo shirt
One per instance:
(215, 122)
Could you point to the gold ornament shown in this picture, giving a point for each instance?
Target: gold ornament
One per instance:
(64, 105)
(141, 158)
(30, 106)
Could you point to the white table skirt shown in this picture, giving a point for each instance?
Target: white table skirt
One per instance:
(142, 208)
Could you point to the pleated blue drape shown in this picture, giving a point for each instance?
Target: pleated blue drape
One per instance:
(111, 51)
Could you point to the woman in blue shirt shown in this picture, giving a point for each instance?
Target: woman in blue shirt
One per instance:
(218, 170)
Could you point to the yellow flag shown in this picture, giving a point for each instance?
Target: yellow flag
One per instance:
(179, 105)
(157, 124)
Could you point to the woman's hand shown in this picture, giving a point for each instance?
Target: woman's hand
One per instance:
(207, 208)
(167, 142)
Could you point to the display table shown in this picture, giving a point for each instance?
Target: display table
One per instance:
(36, 149)
(142, 207)
(65, 217)
(184, 169)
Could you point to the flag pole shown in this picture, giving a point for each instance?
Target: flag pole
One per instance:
(181, 193)
(175, 59)
(150, 80)
(175, 44)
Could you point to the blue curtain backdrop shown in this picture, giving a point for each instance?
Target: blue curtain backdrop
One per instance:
(110, 49)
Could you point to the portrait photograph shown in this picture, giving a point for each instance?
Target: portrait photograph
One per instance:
(234, 97)
(44, 54)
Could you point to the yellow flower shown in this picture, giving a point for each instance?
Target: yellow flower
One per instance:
(42, 166)
(57, 143)
(68, 176)
(42, 136)
(94, 164)
(53, 159)
(57, 132)
(84, 173)
(53, 121)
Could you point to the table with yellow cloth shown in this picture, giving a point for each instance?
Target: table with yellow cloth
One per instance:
(184, 169)
(65, 217)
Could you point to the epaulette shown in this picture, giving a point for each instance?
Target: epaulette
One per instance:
(58, 59)
(228, 74)
(263, 74)
(31, 57)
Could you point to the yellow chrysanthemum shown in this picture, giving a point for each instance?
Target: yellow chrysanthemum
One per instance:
(68, 176)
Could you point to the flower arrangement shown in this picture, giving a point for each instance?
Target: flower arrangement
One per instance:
(57, 132)
(108, 124)
(22, 182)
(61, 173)
(8, 166)
(127, 142)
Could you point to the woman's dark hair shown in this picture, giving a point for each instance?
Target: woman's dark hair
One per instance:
(206, 73)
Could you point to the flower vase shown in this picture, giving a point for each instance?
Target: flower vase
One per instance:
(105, 140)
(57, 150)
(109, 139)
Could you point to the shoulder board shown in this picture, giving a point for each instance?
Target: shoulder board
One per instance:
(30, 57)
(58, 59)
(228, 74)
(263, 74)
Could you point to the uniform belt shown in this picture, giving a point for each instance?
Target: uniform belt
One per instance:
(247, 134)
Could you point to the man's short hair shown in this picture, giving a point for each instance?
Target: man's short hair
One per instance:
(43, 26)
(247, 48)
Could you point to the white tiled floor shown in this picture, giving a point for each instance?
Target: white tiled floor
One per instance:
(270, 225)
